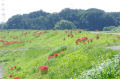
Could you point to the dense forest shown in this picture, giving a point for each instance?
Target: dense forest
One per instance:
(90, 19)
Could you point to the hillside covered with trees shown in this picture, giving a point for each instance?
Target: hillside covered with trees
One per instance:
(90, 19)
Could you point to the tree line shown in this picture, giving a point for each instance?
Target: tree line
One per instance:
(90, 19)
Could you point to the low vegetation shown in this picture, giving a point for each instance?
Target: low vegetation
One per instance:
(58, 54)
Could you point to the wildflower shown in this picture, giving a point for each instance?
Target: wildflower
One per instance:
(10, 75)
(56, 54)
(79, 31)
(62, 52)
(15, 67)
(12, 68)
(84, 38)
(44, 69)
(97, 37)
(50, 57)
(17, 78)
(118, 37)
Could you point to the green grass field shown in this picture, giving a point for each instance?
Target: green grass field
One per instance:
(33, 48)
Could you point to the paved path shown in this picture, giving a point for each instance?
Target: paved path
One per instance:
(114, 47)
(105, 33)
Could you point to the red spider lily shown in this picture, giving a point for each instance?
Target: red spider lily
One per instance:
(70, 35)
(12, 68)
(88, 41)
(79, 31)
(84, 38)
(97, 37)
(12, 42)
(50, 57)
(17, 78)
(15, 67)
(1, 40)
(78, 40)
(118, 37)
(56, 54)
(42, 68)
(10, 75)
(62, 52)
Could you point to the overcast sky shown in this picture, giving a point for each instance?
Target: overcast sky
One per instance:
(14, 7)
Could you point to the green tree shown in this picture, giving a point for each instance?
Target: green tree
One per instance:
(64, 24)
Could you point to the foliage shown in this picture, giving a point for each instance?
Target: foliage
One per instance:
(64, 24)
(90, 19)
(24, 59)
(112, 28)
(108, 28)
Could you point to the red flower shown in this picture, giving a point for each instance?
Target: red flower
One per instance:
(17, 78)
(10, 75)
(97, 37)
(62, 52)
(56, 54)
(12, 68)
(79, 31)
(15, 67)
(43, 67)
(84, 38)
(50, 57)
(118, 37)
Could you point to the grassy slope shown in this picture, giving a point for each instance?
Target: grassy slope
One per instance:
(75, 60)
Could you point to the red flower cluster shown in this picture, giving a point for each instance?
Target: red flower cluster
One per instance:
(12, 42)
(55, 55)
(12, 68)
(79, 31)
(97, 37)
(82, 40)
(10, 75)
(17, 77)
(118, 37)
(70, 35)
(1, 40)
(42, 68)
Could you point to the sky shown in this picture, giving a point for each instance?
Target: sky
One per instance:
(13, 7)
